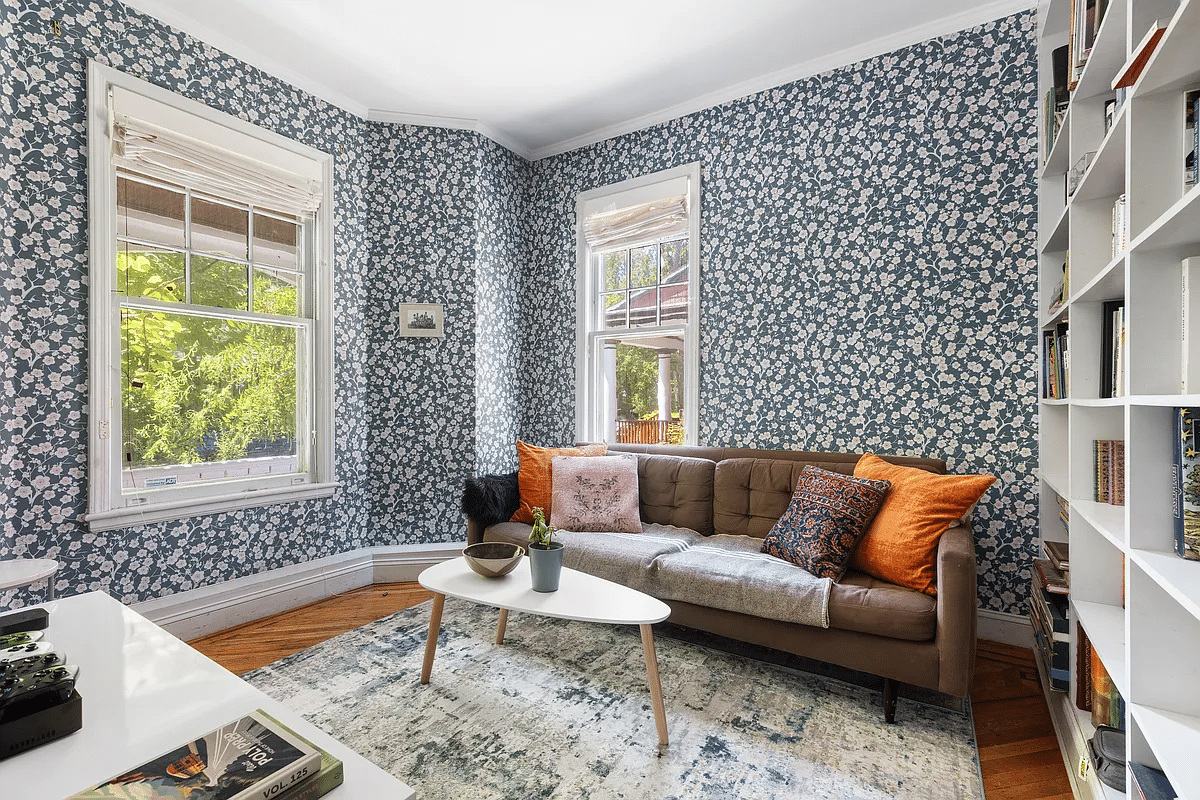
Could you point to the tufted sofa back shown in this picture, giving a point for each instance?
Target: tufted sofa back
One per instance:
(726, 490)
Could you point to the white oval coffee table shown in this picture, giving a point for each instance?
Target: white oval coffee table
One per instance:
(580, 596)
(26, 571)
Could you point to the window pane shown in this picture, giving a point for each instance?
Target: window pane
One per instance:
(673, 301)
(643, 270)
(220, 229)
(643, 308)
(149, 272)
(198, 391)
(150, 213)
(674, 262)
(219, 283)
(275, 242)
(616, 269)
(276, 291)
(615, 309)
(645, 404)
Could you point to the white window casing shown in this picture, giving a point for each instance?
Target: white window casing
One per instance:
(156, 133)
(650, 208)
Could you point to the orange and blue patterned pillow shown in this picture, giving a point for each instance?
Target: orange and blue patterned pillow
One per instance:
(828, 514)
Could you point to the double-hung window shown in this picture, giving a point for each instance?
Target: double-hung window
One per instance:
(637, 294)
(210, 330)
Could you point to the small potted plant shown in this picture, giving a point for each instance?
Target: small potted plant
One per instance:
(545, 554)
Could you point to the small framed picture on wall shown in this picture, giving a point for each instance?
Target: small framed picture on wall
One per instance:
(421, 319)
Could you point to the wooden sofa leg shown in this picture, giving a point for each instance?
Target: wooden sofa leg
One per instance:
(890, 691)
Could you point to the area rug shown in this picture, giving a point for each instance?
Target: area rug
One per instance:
(562, 710)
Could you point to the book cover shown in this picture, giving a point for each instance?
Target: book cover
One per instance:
(1103, 693)
(1150, 783)
(1186, 485)
(1083, 669)
(1189, 270)
(1100, 454)
(250, 757)
(328, 777)
(1116, 472)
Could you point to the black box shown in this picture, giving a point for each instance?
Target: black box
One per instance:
(39, 727)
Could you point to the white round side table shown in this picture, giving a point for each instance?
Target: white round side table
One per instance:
(25, 571)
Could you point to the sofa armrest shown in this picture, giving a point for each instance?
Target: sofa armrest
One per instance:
(474, 531)
(956, 610)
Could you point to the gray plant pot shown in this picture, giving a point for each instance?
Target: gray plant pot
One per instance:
(546, 566)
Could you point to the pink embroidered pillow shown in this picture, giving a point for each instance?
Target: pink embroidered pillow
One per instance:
(595, 493)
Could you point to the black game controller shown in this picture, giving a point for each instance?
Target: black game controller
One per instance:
(19, 651)
(24, 637)
(31, 664)
(52, 683)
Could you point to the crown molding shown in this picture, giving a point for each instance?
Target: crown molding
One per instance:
(453, 123)
(206, 35)
(943, 26)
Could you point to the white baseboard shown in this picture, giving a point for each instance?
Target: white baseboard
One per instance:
(999, 626)
(209, 609)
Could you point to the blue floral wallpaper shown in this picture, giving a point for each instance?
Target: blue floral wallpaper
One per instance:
(405, 230)
(867, 267)
(867, 263)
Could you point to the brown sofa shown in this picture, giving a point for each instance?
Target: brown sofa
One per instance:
(729, 494)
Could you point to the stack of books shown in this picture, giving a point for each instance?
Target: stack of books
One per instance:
(1112, 348)
(1095, 690)
(1056, 362)
(1109, 456)
(1049, 613)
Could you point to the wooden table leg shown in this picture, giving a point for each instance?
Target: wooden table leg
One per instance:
(656, 696)
(435, 626)
(500, 626)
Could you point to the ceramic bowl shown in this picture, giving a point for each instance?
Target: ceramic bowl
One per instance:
(493, 559)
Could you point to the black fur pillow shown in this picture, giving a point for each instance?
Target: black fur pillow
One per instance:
(489, 499)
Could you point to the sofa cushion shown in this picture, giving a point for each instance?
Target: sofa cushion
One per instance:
(751, 494)
(901, 544)
(599, 493)
(868, 605)
(828, 514)
(732, 573)
(534, 476)
(677, 491)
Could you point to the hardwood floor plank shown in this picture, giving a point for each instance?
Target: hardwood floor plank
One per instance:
(1018, 751)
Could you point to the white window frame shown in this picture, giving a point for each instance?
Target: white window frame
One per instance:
(590, 332)
(108, 506)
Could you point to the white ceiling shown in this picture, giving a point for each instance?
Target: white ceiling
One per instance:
(546, 76)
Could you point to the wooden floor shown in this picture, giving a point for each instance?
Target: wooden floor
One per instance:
(1018, 753)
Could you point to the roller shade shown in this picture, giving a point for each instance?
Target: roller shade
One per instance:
(169, 156)
(654, 221)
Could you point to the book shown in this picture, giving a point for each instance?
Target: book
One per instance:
(1058, 59)
(1128, 74)
(1116, 472)
(1083, 669)
(1195, 139)
(1191, 162)
(1120, 226)
(331, 773)
(1109, 341)
(1058, 552)
(1150, 783)
(1185, 472)
(1189, 272)
(252, 757)
(1107, 705)
(1052, 579)
(1101, 455)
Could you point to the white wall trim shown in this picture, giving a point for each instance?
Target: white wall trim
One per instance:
(209, 609)
(943, 26)
(1005, 628)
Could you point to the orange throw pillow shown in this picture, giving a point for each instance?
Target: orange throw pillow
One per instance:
(533, 476)
(900, 547)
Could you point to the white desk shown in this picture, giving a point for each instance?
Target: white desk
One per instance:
(144, 692)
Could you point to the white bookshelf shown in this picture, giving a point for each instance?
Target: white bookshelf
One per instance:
(1138, 602)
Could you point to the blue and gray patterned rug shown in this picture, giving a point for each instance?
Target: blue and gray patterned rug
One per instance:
(562, 710)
